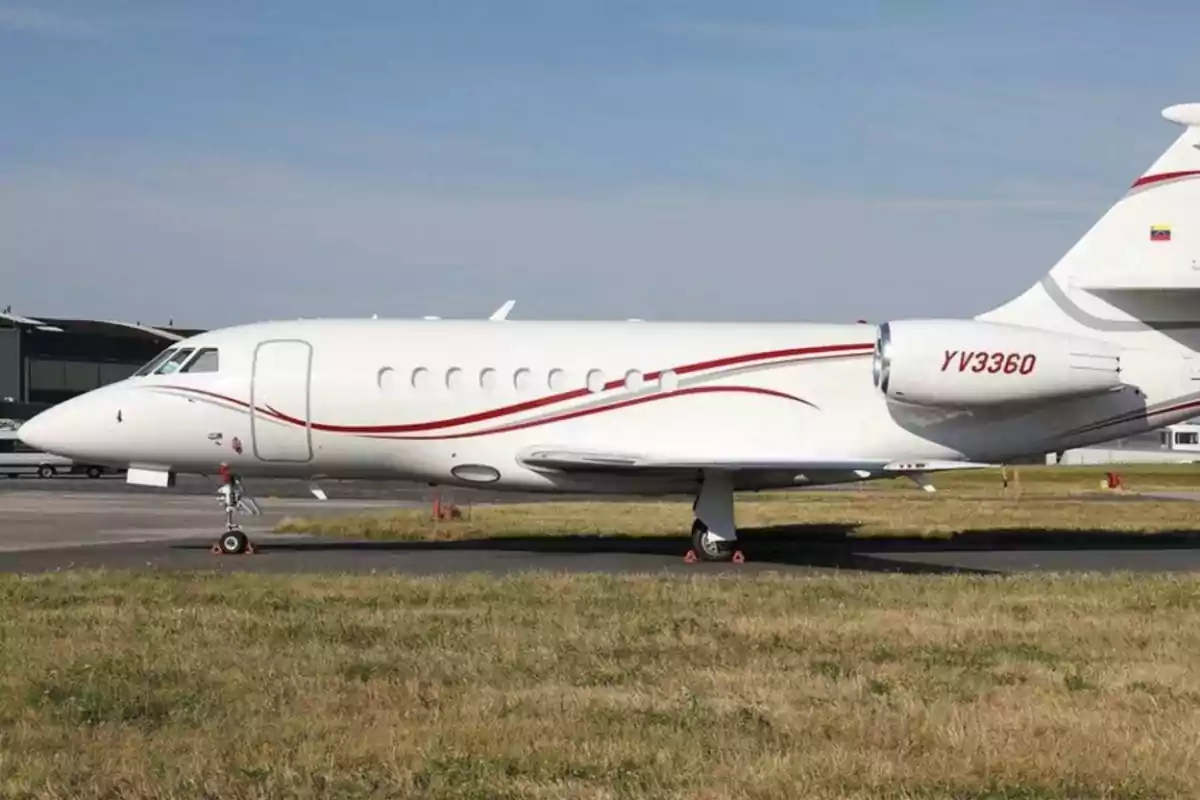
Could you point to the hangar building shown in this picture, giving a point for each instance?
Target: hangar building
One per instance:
(46, 360)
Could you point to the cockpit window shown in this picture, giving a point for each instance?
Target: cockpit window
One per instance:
(172, 364)
(153, 363)
(206, 360)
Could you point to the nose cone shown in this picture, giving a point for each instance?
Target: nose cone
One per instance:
(48, 431)
(77, 429)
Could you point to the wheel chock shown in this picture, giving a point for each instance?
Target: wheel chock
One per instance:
(249, 551)
(739, 557)
(690, 558)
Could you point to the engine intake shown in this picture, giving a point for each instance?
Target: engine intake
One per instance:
(970, 363)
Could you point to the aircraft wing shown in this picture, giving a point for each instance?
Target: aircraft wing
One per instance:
(575, 460)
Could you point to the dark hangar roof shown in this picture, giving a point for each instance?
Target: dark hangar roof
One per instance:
(93, 327)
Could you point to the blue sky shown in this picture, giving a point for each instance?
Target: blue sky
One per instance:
(225, 161)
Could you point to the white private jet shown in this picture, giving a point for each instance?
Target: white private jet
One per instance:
(1104, 346)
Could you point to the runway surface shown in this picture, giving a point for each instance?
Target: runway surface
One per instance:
(78, 523)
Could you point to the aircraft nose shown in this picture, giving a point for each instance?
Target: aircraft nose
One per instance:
(47, 431)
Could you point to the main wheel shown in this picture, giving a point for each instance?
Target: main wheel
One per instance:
(707, 546)
(94, 472)
(46, 471)
(234, 542)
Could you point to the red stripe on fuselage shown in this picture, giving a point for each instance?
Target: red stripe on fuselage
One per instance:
(585, 412)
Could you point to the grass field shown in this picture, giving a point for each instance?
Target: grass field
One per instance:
(752, 685)
(1037, 499)
(138, 686)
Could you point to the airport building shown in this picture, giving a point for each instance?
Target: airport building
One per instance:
(46, 360)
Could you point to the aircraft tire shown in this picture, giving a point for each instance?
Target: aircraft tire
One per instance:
(707, 549)
(233, 542)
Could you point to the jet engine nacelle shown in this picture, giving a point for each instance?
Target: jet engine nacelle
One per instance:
(966, 363)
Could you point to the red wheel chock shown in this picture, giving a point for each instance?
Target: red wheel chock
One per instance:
(217, 551)
(738, 557)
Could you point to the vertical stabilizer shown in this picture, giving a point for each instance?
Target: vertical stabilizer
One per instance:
(1137, 271)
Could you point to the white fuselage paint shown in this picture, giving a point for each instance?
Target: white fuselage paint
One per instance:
(336, 398)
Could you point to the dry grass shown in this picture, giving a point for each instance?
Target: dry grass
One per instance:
(1043, 500)
(597, 687)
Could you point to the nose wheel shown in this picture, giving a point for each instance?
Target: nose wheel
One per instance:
(234, 541)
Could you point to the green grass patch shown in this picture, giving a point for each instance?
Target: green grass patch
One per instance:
(823, 686)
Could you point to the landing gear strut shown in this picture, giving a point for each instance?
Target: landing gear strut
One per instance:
(234, 541)
(714, 533)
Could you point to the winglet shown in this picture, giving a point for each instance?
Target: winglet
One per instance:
(1187, 114)
(501, 313)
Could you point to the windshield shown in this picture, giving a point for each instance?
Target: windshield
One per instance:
(153, 363)
(172, 363)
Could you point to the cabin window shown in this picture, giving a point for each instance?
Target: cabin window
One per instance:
(634, 380)
(420, 379)
(557, 380)
(153, 363)
(454, 379)
(523, 380)
(487, 379)
(172, 364)
(668, 381)
(595, 381)
(206, 360)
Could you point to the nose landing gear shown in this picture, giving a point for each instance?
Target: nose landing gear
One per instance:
(234, 541)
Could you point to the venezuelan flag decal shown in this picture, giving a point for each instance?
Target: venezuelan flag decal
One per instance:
(1160, 233)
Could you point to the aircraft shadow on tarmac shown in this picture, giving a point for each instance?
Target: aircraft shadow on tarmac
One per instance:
(819, 546)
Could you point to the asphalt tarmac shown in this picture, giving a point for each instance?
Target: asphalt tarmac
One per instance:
(72, 523)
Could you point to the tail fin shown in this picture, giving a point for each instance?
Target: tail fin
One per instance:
(1137, 271)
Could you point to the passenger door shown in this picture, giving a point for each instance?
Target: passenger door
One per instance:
(279, 398)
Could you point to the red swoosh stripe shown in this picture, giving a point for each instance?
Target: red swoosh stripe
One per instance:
(585, 412)
(541, 402)
(1147, 180)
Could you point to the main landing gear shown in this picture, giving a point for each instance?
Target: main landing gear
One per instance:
(234, 541)
(714, 534)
